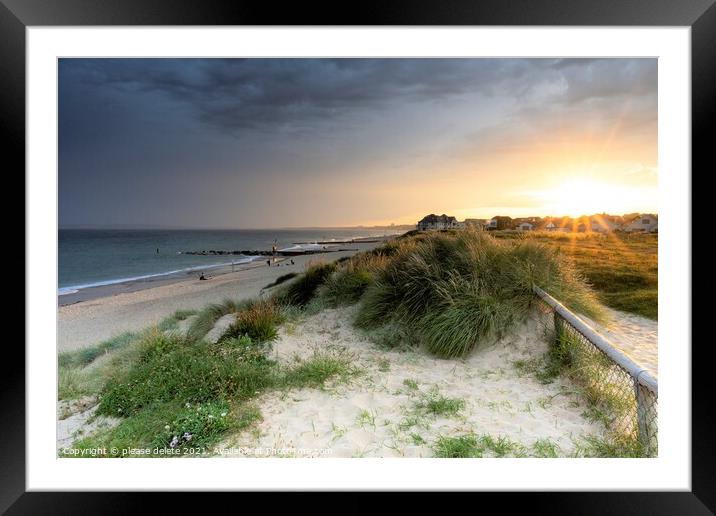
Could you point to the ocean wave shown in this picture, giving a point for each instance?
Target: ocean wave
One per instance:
(63, 291)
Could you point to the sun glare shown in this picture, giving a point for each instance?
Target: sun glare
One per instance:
(583, 196)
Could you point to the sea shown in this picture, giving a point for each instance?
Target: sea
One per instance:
(98, 257)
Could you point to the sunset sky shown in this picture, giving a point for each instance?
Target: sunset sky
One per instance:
(262, 143)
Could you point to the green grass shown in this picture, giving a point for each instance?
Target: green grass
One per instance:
(470, 445)
(281, 279)
(546, 449)
(438, 405)
(315, 371)
(622, 268)
(351, 278)
(86, 356)
(259, 321)
(460, 447)
(207, 317)
(168, 368)
(154, 428)
(454, 291)
(411, 384)
(302, 289)
(609, 447)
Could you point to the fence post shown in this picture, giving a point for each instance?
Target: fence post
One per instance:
(643, 424)
(557, 328)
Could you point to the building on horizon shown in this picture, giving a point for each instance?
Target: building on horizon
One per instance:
(433, 221)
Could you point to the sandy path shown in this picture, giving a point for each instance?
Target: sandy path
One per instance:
(637, 337)
(90, 322)
(372, 415)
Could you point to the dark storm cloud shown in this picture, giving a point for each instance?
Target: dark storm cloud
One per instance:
(303, 93)
(228, 142)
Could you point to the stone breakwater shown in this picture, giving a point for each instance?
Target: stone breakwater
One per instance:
(212, 252)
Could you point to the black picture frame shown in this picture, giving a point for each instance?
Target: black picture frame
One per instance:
(16, 15)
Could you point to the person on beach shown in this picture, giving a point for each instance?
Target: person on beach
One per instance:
(291, 261)
(268, 262)
(201, 277)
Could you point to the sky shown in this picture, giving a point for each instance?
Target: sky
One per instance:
(267, 143)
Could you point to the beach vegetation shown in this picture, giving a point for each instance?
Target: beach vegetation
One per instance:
(258, 320)
(435, 404)
(457, 290)
(622, 268)
(411, 384)
(471, 445)
(281, 279)
(207, 317)
(545, 448)
(85, 356)
(316, 370)
(302, 289)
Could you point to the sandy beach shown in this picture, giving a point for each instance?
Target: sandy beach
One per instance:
(86, 323)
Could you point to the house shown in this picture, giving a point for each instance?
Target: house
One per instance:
(645, 223)
(603, 223)
(475, 223)
(525, 226)
(499, 222)
(433, 221)
(550, 226)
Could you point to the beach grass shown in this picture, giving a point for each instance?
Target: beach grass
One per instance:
(456, 290)
(281, 279)
(207, 317)
(315, 371)
(258, 320)
(473, 446)
(302, 289)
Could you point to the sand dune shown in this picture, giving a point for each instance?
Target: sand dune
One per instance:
(372, 415)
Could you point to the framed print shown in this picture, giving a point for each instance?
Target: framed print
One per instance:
(413, 250)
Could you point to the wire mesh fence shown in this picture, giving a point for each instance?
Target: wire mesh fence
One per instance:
(620, 394)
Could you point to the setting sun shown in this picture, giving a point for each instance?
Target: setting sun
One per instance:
(580, 196)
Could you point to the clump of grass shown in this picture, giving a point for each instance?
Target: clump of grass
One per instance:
(170, 368)
(281, 279)
(436, 404)
(347, 284)
(470, 445)
(546, 449)
(417, 439)
(302, 289)
(172, 322)
(610, 447)
(383, 365)
(411, 384)
(456, 290)
(318, 369)
(86, 356)
(207, 317)
(258, 321)
(366, 418)
(464, 446)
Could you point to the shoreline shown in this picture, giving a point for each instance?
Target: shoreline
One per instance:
(120, 286)
(99, 313)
